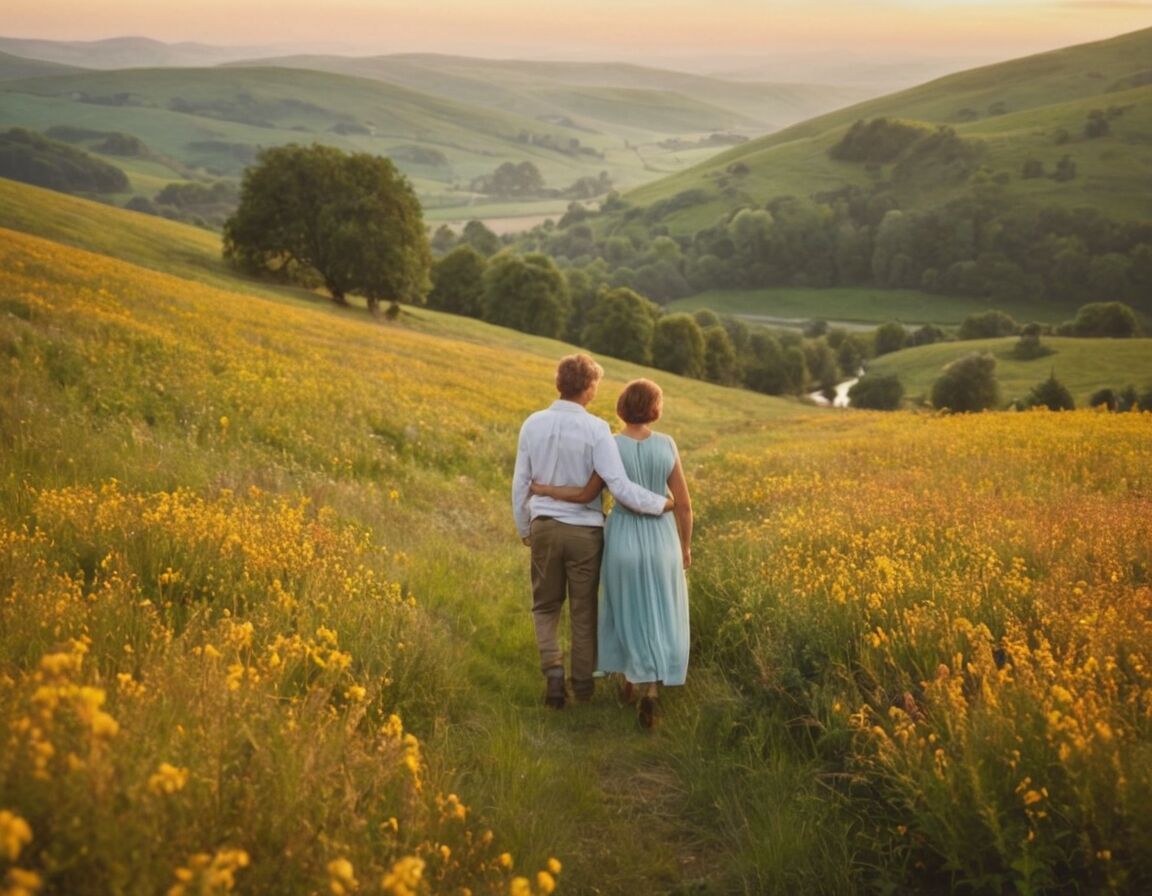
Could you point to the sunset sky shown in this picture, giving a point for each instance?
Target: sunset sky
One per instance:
(642, 30)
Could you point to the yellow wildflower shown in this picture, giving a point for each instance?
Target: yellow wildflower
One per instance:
(15, 834)
(168, 779)
(19, 882)
(343, 877)
(405, 877)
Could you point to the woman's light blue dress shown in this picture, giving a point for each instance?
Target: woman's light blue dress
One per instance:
(643, 628)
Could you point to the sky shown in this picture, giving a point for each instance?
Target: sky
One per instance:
(631, 30)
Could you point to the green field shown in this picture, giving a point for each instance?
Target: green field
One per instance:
(866, 307)
(1083, 365)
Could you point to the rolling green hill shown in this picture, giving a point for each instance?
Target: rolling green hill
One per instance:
(1025, 185)
(1083, 365)
(13, 67)
(121, 52)
(551, 88)
(209, 123)
(1011, 111)
(444, 120)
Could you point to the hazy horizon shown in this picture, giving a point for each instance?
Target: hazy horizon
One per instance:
(785, 39)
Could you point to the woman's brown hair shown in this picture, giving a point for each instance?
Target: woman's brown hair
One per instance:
(640, 402)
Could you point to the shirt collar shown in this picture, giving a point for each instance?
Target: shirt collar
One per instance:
(572, 407)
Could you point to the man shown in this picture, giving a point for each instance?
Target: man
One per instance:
(563, 445)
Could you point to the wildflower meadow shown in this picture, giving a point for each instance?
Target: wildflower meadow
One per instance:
(264, 623)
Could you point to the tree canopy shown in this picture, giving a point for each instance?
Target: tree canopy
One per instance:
(456, 282)
(620, 324)
(678, 345)
(349, 221)
(26, 156)
(527, 293)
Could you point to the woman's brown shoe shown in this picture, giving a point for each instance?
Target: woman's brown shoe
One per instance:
(647, 711)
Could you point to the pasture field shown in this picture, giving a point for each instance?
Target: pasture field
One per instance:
(1082, 365)
(862, 305)
(264, 620)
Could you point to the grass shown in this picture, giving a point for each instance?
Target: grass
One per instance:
(865, 306)
(239, 532)
(1083, 365)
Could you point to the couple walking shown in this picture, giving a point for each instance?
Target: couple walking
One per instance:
(565, 457)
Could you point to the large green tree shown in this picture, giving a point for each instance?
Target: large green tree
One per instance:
(319, 215)
(678, 345)
(457, 282)
(620, 325)
(526, 293)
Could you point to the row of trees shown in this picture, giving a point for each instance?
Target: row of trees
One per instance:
(33, 159)
(980, 245)
(533, 294)
(523, 180)
(352, 223)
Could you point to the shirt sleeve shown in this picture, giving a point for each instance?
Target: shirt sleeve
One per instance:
(606, 460)
(521, 482)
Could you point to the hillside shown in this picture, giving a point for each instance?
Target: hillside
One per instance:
(13, 67)
(551, 88)
(265, 622)
(1084, 366)
(445, 121)
(1013, 111)
(1024, 185)
(121, 52)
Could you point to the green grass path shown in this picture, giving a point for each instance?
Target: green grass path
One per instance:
(585, 784)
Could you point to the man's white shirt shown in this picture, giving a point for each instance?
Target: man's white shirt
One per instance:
(562, 445)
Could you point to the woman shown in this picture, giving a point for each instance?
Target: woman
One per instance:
(643, 616)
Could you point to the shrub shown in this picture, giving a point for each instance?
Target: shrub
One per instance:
(987, 325)
(1051, 394)
(1113, 320)
(967, 385)
(1029, 347)
(878, 392)
(1105, 398)
(890, 337)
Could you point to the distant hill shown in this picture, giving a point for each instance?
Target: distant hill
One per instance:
(122, 52)
(551, 88)
(1036, 107)
(447, 122)
(13, 67)
(212, 122)
(1025, 184)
